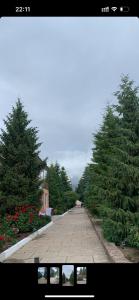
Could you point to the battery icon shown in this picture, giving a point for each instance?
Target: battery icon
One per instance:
(124, 8)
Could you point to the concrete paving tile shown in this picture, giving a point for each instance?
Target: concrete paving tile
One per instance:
(53, 259)
(100, 258)
(80, 259)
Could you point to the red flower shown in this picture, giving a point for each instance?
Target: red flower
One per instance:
(15, 217)
(1, 238)
(23, 210)
(17, 214)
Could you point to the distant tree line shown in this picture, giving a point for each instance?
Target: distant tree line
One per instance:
(64, 278)
(40, 274)
(70, 279)
(54, 272)
(109, 185)
(61, 195)
(82, 271)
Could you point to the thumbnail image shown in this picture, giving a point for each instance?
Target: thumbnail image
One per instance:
(67, 275)
(54, 275)
(81, 275)
(42, 275)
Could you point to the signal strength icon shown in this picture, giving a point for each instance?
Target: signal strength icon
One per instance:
(114, 8)
(105, 9)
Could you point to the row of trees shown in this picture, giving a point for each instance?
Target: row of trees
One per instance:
(40, 275)
(82, 271)
(70, 279)
(110, 183)
(54, 272)
(60, 189)
(81, 275)
(21, 166)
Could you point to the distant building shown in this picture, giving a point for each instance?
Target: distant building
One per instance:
(45, 201)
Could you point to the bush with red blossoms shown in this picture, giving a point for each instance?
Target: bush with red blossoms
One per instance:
(26, 218)
(2, 239)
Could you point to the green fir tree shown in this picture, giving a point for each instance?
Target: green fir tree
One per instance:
(19, 159)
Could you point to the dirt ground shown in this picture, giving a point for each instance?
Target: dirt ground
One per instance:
(131, 253)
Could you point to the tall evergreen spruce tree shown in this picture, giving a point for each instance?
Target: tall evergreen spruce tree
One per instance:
(113, 182)
(122, 164)
(66, 184)
(83, 184)
(102, 168)
(71, 279)
(96, 178)
(54, 185)
(19, 159)
(126, 167)
(64, 278)
(122, 224)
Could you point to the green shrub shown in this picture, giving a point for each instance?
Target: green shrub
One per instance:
(59, 210)
(27, 224)
(2, 240)
(70, 198)
(25, 219)
(120, 226)
(104, 212)
(5, 228)
(132, 239)
(113, 231)
(136, 219)
(94, 209)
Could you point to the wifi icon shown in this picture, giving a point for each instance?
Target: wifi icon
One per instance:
(114, 8)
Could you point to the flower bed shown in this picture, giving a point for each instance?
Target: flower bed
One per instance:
(24, 220)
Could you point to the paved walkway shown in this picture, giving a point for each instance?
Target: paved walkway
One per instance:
(42, 280)
(71, 239)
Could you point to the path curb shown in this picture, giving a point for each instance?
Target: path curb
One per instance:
(5, 254)
(65, 213)
(114, 254)
(8, 252)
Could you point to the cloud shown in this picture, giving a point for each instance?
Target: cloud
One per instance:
(67, 269)
(74, 161)
(41, 270)
(65, 71)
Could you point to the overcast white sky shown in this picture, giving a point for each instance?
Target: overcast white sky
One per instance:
(67, 269)
(65, 71)
(41, 270)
